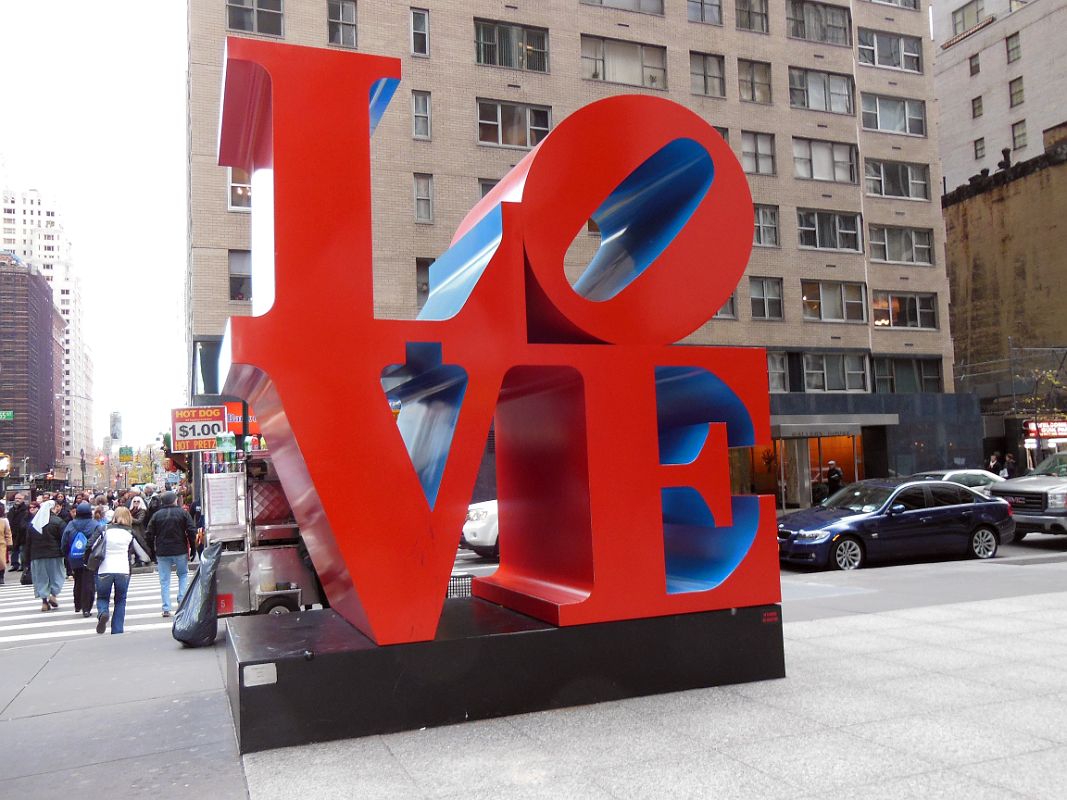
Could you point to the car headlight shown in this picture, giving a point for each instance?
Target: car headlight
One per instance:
(476, 515)
(811, 535)
(1057, 499)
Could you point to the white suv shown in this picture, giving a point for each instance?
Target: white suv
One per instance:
(480, 530)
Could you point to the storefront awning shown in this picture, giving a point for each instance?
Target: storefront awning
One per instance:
(818, 425)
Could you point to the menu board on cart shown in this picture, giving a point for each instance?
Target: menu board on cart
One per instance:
(224, 501)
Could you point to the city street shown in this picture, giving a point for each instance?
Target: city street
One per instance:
(941, 678)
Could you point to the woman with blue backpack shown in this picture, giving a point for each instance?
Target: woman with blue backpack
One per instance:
(75, 544)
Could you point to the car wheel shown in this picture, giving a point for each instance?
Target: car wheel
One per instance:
(983, 543)
(279, 605)
(847, 553)
(1020, 535)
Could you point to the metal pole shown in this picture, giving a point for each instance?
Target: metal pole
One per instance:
(1011, 367)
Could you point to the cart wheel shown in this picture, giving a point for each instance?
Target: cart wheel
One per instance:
(279, 605)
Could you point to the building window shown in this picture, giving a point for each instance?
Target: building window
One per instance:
(422, 281)
(1015, 92)
(341, 20)
(975, 64)
(514, 46)
(709, 11)
(818, 22)
(828, 230)
(423, 197)
(902, 245)
(729, 309)
(895, 179)
(912, 4)
(420, 32)
(754, 81)
(835, 373)
(777, 372)
(904, 310)
(617, 61)
(907, 375)
(757, 153)
(420, 115)
(766, 297)
(1014, 47)
(976, 107)
(881, 49)
(966, 17)
(894, 114)
(706, 74)
(485, 186)
(752, 15)
(511, 124)
(979, 148)
(829, 301)
(820, 91)
(240, 274)
(825, 161)
(1018, 135)
(723, 132)
(646, 6)
(765, 229)
(255, 16)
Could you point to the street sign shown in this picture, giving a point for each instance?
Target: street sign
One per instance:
(125, 455)
(7, 416)
(195, 428)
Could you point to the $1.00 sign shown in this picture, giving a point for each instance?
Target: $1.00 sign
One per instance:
(196, 428)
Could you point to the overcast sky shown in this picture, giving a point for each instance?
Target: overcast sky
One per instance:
(93, 113)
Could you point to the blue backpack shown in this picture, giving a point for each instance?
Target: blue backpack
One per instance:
(77, 549)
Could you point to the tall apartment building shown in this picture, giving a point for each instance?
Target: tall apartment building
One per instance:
(826, 105)
(33, 230)
(1000, 81)
(30, 352)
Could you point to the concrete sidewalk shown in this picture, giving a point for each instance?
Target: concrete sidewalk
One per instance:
(959, 700)
(966, 700)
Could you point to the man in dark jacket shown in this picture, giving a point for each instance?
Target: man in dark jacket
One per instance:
(172, 534)
(84, 580)
(17, 516)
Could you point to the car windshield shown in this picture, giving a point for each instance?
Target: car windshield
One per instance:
(859, 497)
(1053, 465)
(930, 476)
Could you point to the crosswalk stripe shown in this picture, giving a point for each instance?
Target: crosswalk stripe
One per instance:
(21, 619)
(29, 637)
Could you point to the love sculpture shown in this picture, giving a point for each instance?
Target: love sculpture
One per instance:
(611, 440)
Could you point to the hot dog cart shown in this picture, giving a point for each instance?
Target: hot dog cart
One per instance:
(263, 567)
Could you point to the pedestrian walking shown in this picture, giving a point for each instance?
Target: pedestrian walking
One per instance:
(833, 477)
(139, 514)
(5, 543)
(84, 579)
(114, 570)
(46, 555)
(18, 517)
(62, 507)
(1010, 467)
(172, 534)
(996, 463)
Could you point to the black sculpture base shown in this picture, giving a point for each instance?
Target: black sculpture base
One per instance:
(328, 681)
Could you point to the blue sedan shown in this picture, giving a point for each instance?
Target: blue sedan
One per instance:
(894, 519)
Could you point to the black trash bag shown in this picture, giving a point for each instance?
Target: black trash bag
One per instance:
(196, 623)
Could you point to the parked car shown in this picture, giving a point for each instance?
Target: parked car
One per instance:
(480, 530)
(978, 479)
(1039, 499)
(894, 518)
